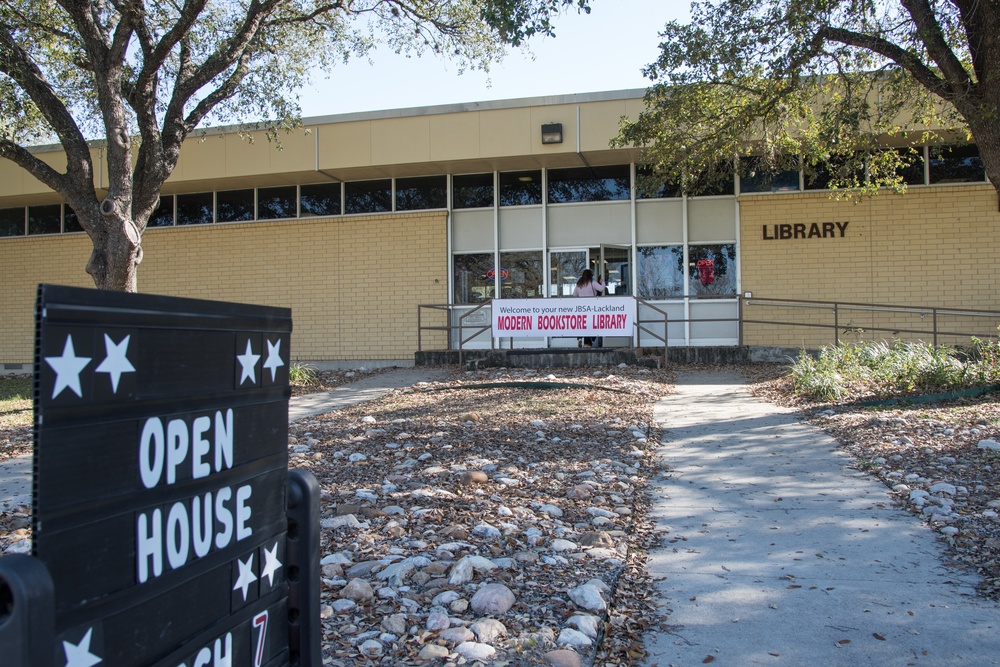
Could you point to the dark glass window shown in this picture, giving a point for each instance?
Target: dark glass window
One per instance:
(520, 188)
(195, 209)
(956, 164)
(913, 173)
(368, 196)
(12, 221)
(163, 214)
(755, 178)
(819, 176)
(474, 278)
(320, 199)
(414, 194)
(472, 191)
(715, 182)
(661, 272)
(278, 203)
(521, 275)
(71, 223)
(649, 186)
(712, 270)
(45, 219)
(234, 206)
(583, 184)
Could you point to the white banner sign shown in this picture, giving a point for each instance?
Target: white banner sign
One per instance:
(599, 316)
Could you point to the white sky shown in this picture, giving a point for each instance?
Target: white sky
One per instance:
(605, 50)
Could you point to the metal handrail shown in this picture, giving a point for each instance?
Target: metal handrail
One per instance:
(838, 307)
(639, 324)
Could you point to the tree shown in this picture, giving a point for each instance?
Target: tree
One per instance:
(831, 82)
(145, 74)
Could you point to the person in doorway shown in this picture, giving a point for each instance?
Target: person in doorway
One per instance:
(588, 286)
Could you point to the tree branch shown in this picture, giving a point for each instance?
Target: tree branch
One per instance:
(929, 30)
(898, 55)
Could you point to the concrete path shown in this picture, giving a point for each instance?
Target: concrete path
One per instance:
(15, 474)
(779, 554)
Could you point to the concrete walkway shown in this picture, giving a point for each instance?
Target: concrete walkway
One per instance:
(15, 474)
(779, 554)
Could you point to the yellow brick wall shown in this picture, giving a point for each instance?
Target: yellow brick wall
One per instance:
(353, 283)
(934, 246)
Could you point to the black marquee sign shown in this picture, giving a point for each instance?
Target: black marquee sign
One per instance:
(162, 501)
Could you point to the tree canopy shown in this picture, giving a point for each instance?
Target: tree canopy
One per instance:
(830, 82)
(143, 75)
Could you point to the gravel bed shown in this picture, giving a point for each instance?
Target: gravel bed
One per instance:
(528, 487)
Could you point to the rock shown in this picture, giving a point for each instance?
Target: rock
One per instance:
(942, 487)
(445, 598)
(342, 521)
(336, 559)
(473, 477)
(596, 538)
(488, 630)
(395, 624)
(462, 571)
(475, 650)
(396, 574)
(562, 545)
(456, 636)
(585, 623)
(433, 652)
(992, 445)
(358, 590)
(574, 638)
(588, 596)
(437, 620)
(371, 649)
(342, 605)
(486, 530)
(562, 658)
(551, 510)
(492, 599)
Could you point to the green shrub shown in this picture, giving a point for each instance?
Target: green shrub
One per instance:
(884, 369)
(300, 373)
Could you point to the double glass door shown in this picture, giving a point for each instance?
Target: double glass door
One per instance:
(612, 263)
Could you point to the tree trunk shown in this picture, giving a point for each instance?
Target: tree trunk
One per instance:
(986, 134)
(115, 257)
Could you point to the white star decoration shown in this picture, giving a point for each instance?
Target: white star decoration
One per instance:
(79, 655)
(274, 361)
(271, 564)
(67, 368)
(246, 577)
(116, 362)
(249, 362)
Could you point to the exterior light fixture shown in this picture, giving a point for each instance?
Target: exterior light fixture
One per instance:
(552, 133)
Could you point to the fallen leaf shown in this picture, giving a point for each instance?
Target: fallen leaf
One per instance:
(878, 636)
(708, 659)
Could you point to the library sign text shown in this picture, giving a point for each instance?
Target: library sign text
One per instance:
(801, 230)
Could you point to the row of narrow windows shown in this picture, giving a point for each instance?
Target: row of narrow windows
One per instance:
(518, 188)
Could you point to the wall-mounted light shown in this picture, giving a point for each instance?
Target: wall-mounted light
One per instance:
(552, 133)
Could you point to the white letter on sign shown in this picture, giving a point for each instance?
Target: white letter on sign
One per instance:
(199, 448)
(177, 447)
(151, 467)
(150, 544)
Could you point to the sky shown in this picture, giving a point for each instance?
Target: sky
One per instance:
(601, 51)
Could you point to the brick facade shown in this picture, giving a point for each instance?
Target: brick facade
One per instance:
(353, 283)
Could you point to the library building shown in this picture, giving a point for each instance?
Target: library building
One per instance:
(468, 226)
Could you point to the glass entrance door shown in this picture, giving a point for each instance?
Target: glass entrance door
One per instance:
(616, 268)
